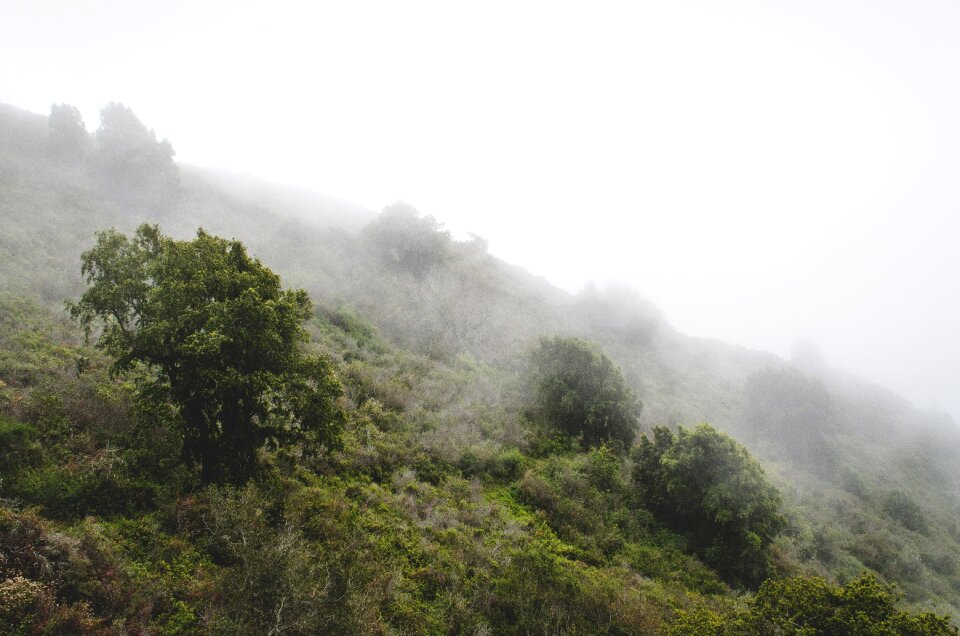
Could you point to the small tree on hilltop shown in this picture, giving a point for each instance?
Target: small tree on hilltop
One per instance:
(221, 342)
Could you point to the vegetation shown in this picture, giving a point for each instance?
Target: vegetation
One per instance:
(798, 606)
(393, 466)
(130, 161)
(221, 342)
(580, 393)
(706, 486)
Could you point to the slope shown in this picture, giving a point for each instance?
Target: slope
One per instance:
(870, 480)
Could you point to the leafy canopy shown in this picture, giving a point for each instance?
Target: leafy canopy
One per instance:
(220, 340)
(578, 391)
(705, 485)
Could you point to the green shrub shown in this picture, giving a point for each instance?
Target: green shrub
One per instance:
(579, 392)
(20, 449)
(19, 597)
(902, 508)
(64, 493)
(706, 486)
(508, 465)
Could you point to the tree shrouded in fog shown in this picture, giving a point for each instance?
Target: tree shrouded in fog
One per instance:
(130, 158)
(581, 393)
(68, 134)
(407, 241)
(790, 410)
(221, 340)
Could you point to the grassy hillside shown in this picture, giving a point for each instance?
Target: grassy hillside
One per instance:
(445, 510)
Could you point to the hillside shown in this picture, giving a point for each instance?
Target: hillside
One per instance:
(444, 509)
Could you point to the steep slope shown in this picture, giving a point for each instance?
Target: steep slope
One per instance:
(871, 481)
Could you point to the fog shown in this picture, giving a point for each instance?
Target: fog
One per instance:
(762, 174)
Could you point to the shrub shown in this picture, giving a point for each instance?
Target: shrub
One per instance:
(20, 448)
(902, 508)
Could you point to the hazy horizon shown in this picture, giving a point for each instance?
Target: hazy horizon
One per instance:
(762, 174)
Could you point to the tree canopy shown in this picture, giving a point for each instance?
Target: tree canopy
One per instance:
(221, 341)
(705, 485)
(578, 391)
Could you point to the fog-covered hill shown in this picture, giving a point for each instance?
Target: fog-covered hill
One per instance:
(431, 337)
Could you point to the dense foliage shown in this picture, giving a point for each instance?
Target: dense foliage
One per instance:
(580, 393)
(222, 342)
(706, 486)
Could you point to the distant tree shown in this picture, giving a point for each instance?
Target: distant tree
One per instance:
(221, 342)
(69, 141)
(578, 391)
(406, 241)
(705, 485)
(790, 411)
(129, 157)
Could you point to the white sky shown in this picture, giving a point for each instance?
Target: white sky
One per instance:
(762, 171)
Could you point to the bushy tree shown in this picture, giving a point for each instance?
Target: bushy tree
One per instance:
(220, 340)
(705, 485)
(579, 392)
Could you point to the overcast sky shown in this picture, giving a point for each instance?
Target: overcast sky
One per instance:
(762, 171)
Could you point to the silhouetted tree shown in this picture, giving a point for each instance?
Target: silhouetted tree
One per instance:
(129, 158)
(786, 409)
(69, 141)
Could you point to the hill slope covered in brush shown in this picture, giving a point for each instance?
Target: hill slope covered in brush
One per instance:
(449, 504)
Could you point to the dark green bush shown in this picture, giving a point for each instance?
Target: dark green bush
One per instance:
(902, 508)
(20, 449)
(706, 486)
(65, 493)
(579, 392)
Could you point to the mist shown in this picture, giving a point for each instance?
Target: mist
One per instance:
(526, 318)
(761, 174)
